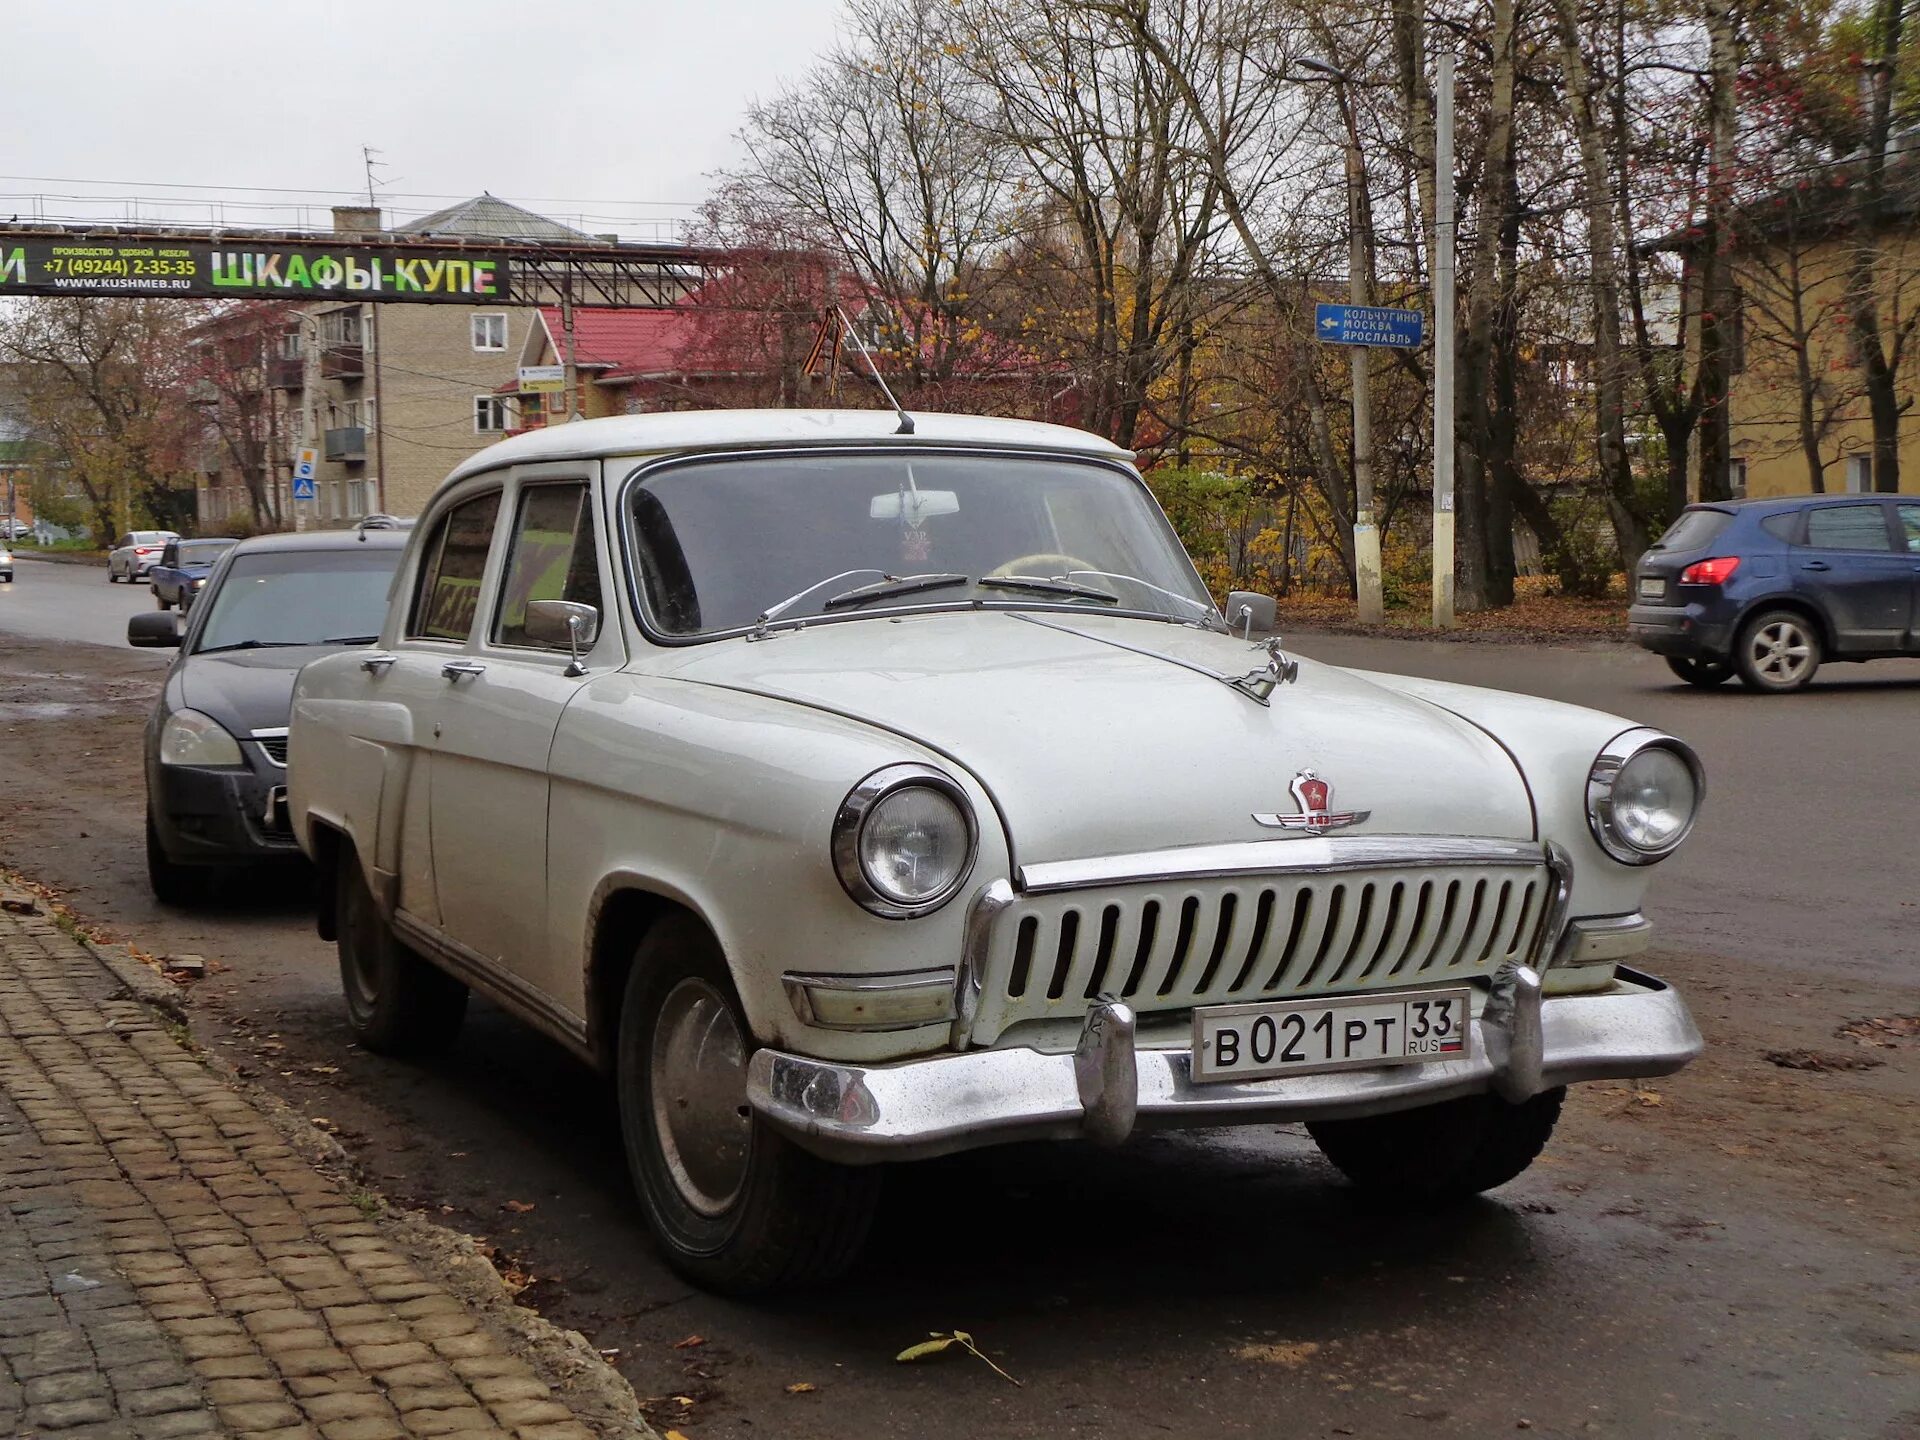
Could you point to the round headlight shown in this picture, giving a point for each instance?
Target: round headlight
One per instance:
(190, 738)
(1642, 796)
(903, 842)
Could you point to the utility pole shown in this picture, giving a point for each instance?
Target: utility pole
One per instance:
(1366, 532)
(1443, 344)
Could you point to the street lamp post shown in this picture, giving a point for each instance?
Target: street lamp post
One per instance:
(1366, 533)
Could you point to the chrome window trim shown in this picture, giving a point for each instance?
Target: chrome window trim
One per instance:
(1605, 770)
(630, 557)
(1314, 855)
(852, 817)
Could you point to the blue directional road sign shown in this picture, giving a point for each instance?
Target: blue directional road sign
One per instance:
(1368, 325)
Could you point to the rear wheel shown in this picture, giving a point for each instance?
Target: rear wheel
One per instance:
(1441, 1152)
(734, 1205)
(165, 604)
(1777, 652)
(1705, 673)
(397, 1003)
(182, 886)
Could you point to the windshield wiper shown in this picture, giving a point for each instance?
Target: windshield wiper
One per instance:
(1203, 608)
(253, 645)
(1044, 586)
(774, 612)
(892, 585)
(349, 639)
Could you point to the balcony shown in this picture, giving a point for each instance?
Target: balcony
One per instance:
(284, 374)
(343, 362)
(349, 443)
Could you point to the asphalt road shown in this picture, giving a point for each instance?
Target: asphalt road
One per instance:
(70, 600)
(1732, 1252)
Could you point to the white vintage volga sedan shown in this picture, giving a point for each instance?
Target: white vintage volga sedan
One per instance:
(853, 795)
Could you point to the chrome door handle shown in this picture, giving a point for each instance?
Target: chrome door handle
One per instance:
(1815, 565)
(455, 669)
(377, 664)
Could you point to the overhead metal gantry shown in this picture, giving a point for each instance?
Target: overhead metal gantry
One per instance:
(175, 263)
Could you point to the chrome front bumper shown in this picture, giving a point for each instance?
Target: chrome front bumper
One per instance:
(1523, 1044)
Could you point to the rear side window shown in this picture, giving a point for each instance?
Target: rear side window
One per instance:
(1910, 527)
(1784, 526)
(1848, 527)
(552, 558)
(449, 589)
(1694, 530)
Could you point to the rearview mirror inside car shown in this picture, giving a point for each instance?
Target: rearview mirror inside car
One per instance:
(913, 506)
(154, 629)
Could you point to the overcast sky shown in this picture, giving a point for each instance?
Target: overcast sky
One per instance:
(566, 108)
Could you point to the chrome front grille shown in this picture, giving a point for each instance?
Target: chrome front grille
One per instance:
(1172, 944)
(274, 745)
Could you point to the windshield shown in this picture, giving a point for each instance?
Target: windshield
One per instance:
(203, 552)
(723, 542)
(299, 597)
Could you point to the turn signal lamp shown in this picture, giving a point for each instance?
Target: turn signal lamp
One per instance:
(1710, 572)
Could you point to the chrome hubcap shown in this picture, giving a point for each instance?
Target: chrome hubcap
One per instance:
(698, 1074)
(1781, 651)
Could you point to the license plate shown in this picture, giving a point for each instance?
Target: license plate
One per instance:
(1652, 587)
(1299, 1037)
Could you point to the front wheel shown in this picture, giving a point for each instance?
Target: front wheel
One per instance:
(165, 604)
(734, 1205)
(397, 1003)
(1443, 1152)
(1777, 652)
(1703, 672)
(174, 884)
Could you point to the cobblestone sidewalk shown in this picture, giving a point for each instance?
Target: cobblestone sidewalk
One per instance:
(170, 1267)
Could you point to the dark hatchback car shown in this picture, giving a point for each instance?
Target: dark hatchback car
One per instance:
(1769, 589)
(216, 746)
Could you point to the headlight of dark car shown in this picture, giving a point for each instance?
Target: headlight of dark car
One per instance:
(1643, 794)
(191, 738)
(904, 841)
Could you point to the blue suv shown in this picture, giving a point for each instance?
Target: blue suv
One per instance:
(1768, 589)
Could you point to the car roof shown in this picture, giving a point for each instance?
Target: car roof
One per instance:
(668, 432)
(322, 540)
(1777, 504)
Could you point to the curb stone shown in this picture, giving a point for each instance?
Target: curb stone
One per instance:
(594, 1399)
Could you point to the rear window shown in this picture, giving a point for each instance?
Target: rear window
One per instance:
(1694, 530)
(203, 552)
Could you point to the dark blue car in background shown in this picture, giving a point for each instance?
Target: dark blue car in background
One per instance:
(182, 569)
(1769, 589)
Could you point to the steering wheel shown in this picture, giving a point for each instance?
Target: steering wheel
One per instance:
(1047, 564)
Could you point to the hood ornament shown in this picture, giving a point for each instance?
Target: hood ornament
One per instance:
(1312, 795)
(1280, 669)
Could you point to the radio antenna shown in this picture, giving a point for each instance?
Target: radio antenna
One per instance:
(906, 420)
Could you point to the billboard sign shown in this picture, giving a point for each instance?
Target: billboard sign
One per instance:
(543, 379)
(87, 265)
(1368, 325)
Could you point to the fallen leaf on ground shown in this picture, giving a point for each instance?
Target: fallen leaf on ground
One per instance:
(1648, 1097)
(519, 1207)
(689, 1342)
(940, 1341)
(801, 1387)
(1882, 1030)
(1288, 1353)
(321, 1122)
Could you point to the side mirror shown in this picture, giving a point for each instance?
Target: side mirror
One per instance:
(1248, 611)
(154, 630)
(564, 622)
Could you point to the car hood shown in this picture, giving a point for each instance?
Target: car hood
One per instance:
(245, 690)
(1094, 735)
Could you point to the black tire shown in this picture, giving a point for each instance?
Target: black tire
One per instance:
(397, 1003)
(1442, 1152)
(112, 579)
(1707, 674)
(791, 1218)
(1777, 652)
(184, 887)
(165, 604)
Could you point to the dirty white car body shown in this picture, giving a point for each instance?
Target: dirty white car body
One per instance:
(1137, 824)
